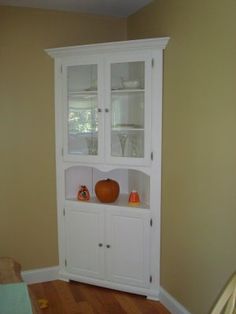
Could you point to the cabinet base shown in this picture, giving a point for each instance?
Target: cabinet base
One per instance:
(151, 294)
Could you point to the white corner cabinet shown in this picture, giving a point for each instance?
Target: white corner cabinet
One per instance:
(108, 109)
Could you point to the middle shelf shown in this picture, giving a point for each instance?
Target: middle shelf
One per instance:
(128, 180)
(122, 201)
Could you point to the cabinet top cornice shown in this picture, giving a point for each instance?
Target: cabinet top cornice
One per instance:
(150, 43)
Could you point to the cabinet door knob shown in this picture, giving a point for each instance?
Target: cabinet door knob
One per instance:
(99, 110)
(108, 246)
(100, 244)
(106, 110)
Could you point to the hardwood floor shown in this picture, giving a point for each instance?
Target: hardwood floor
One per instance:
(78, 298)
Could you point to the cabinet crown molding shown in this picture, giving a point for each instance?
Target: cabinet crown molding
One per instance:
(150, 43)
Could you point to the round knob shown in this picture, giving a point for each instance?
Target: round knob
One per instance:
(99, 110)
(108, 246)
(100, 244)
(106, 110)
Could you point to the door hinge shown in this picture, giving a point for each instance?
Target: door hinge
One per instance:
(150, 279)
(65, 262)
(152, 62)
(62, 151)
(151, 222)
(64, 212)
(151, 155)
(61, 69)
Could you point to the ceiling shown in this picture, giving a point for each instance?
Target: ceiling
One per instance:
(119, 8)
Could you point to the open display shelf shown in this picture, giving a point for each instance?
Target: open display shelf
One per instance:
(127, 179)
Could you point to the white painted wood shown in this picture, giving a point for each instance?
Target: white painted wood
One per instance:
(128, 251)
(75, 177)
(120, 202)
(121, 245)
(84, 233)
(74, 62)
(226, 302)
(132, 262)
(111, 47)
(108, 284)
(120, 58)
(40, 275)
(104, 63)
(171, 303)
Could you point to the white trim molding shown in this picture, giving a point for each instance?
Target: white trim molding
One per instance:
(40, 275)
(132, 45)
(171, 303)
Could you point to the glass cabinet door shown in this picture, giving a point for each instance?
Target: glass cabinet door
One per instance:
(128, 112)
(107, 111)
(82, 110)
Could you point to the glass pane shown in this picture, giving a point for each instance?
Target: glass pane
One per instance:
(82, 110)
(82, 78)
(128, 144)
(127, 75)
(127, 109)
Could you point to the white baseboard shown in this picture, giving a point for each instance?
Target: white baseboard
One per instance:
(40, 275)
(171, 304)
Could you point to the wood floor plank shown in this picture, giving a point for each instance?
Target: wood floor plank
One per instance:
(77, 298)
(85, 308)
(70, 306)
(106, 298)
(55, 301)
(127, 304)
(95, 297)
(147, 307)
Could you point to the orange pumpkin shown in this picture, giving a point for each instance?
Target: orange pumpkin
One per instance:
(107, 190)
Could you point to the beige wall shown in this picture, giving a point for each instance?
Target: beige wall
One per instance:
(199, 147)
(28, 228)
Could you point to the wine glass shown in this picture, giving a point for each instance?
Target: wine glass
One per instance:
(134, 146)
(123, 138)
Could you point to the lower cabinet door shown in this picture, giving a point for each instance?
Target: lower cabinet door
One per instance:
(84, 239)
(127, 246)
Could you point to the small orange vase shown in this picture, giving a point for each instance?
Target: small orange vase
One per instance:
(134, 199)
